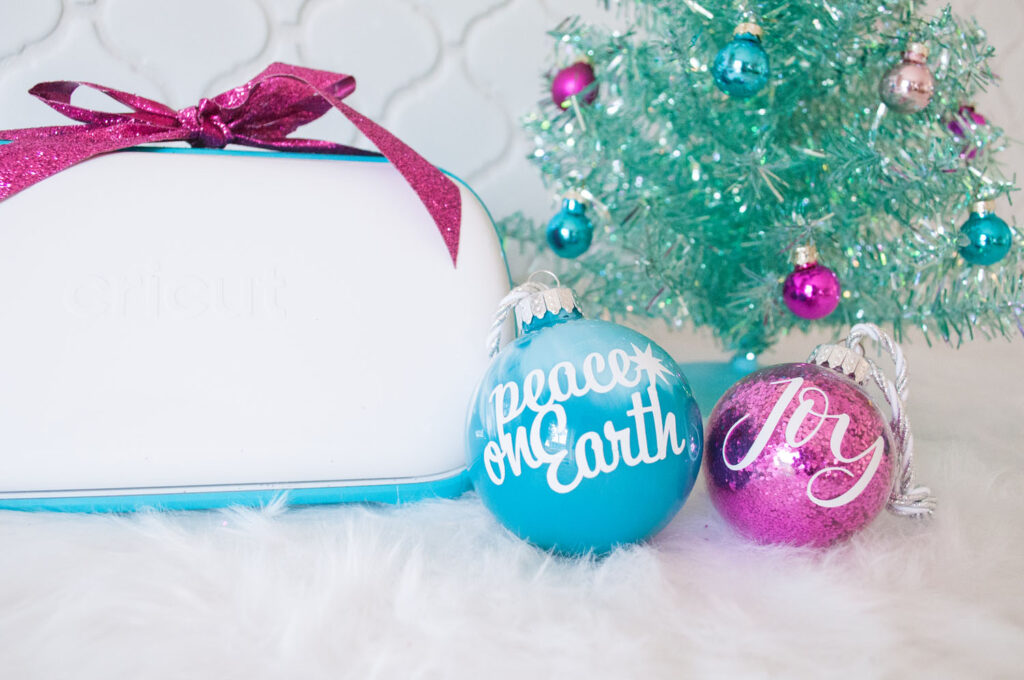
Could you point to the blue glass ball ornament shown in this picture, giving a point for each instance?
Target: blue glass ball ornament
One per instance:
(984, 237)
(741, 68)
(583, 435)
(570, 231)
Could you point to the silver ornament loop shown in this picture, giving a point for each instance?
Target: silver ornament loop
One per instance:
(531, 286)
(905, 499)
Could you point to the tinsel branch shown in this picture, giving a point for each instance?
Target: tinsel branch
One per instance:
(701, 198)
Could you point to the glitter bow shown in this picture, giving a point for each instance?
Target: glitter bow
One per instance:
(261, 113)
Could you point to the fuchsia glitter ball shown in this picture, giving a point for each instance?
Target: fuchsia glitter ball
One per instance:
(961, 125)
(798, 454)
(811, 291)
(965, 116)
(572, 80)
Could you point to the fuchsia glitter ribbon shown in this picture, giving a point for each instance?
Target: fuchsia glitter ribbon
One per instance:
(261, 113)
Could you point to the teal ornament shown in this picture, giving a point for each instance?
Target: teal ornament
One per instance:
(741, 68)
(984, 237)
(583, 435)
(570, 231)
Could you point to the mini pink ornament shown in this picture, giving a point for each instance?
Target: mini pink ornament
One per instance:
(966, 117)
(800, 454)
(571, 81)
(811, 291)
(961, 125)
(909, 85)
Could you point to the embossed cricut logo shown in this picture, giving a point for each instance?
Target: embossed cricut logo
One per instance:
(153, 293)
(805, 412)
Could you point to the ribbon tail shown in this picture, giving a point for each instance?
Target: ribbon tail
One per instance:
(39, 133)
(31, 158)
(436, 190)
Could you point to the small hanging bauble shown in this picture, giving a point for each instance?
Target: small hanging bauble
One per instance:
(984, 237)
(583, 435)
(966, 119)
(741, 67)
(908, 86)
(571, 81)
(800, 454)
(811, 290)
(570, 231)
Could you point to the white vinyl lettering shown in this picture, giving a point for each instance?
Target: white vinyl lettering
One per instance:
(805, 413)
(594, 453)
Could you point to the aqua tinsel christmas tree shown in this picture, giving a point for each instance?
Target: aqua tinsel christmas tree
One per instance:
(701, 193)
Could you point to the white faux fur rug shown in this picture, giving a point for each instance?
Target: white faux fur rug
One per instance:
(438, 590)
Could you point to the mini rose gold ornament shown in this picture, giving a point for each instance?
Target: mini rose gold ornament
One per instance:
(909, 85)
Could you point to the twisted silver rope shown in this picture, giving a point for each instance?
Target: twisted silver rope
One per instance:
(509, 302)
(905, 499)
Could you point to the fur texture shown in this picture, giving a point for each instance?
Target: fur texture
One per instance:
(439, 590)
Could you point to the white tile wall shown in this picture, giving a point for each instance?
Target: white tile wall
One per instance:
(451, 77)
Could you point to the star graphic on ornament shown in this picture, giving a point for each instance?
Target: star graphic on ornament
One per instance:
(649, 364)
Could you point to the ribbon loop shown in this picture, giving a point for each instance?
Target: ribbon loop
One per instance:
(261, 113)
(57, 95)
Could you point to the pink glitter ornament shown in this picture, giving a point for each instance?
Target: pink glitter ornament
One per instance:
(811, 291)
(572, 80)
(800, 454)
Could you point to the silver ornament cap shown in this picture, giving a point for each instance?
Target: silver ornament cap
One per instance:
(537, 305)
(983, 208)
(749, 28)
(843, 359)
(805, 255)
(917, 52)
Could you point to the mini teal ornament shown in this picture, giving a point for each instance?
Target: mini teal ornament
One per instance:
(583, 435)
(984, 237)
(741, 68)
(570, 231)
